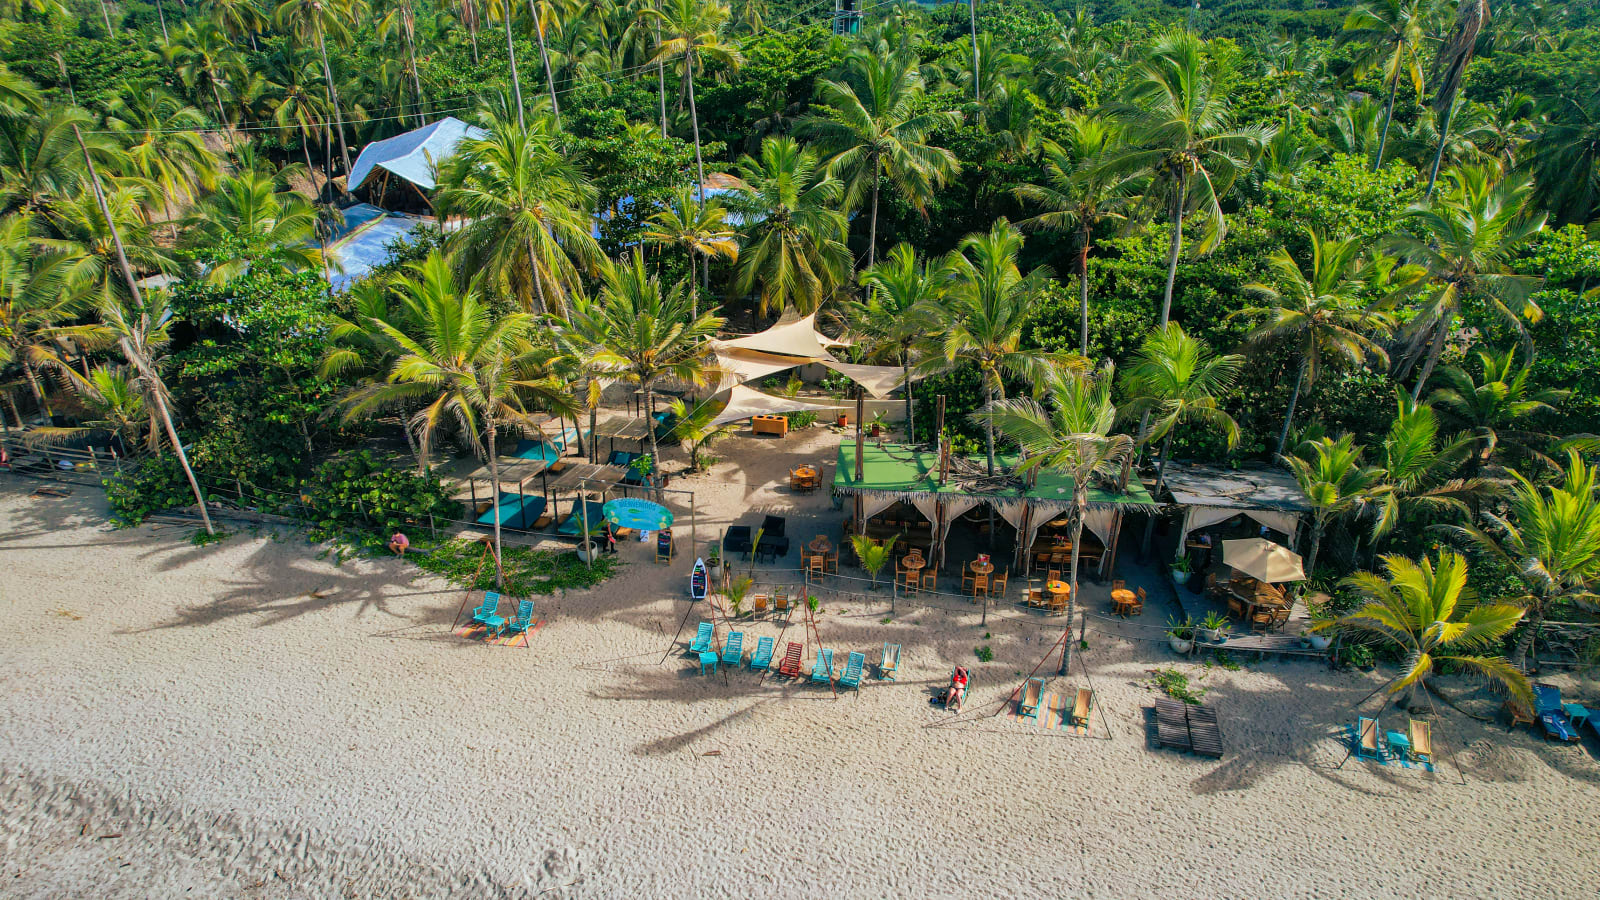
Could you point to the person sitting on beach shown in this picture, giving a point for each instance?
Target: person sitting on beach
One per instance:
(399, 543)
(957, 691)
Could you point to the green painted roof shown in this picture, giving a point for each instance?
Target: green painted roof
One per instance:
(891, 467)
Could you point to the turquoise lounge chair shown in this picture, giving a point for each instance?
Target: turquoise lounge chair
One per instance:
(485, 615)
(522, 620)
(762, 658)
(1032, 696)
(822, 670)
(852, 670)
(702, 639)
(733, 651)
(1367, 740)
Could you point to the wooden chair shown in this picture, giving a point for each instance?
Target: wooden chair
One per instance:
(780, 599)
(1137, 606)
(930, 579)
(830, 563)
(814, 568)
(1036, 597)
(1118, 584)
(758, 604)
(980, 585)
(999, 584)
(1261, 620)
(967, 581)
(1054, 574)
(912, 580)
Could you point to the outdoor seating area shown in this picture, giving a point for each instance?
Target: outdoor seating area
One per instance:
(805, 479)
(1369, 741)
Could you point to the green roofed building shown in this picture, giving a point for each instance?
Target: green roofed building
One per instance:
(891, 473)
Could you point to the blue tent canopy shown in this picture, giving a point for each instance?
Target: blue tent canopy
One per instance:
(414, 155)
(638, 514)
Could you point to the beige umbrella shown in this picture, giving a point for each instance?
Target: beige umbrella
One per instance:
(1263, 560)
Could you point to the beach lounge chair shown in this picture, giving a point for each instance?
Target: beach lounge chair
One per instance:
(890, 664)
(519, 623)
(485, 614)
(1366, 741)
(1172, 724)
(761, 659)
(733, 650)
(1028, 703)
(853, 665)
(1082, 706)
(790, 665)
(1420, 734)
(822, 669)
(702, 638)
(1547, 706)
(1205, 733)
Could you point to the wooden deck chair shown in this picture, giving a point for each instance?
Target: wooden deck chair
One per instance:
(1137, 607)
(758, 604)
(790, 665)
(889, 665)
(702, 638)
(733, 650)
(1082, 706)
(761, 659)
(1420, 734)
(968, 580)
(1519, 714)
(780, 599)
(1028, 702)
(822, 669)
(1366, 739)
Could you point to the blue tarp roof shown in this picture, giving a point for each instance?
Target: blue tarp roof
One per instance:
(414, 155)
(360, 245)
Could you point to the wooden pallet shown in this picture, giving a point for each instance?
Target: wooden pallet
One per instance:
(1205, 734)
(1182, 726)
(1172, 724)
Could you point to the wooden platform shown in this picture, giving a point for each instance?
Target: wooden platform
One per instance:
(1268, 643)
(1188, 727)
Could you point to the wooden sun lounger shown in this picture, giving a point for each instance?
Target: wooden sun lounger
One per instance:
(1184, 726)
(1172, 724)
(1032, 694)
(1420, 734)
(890, 663)
(1367, 739)
(1082, 706)
(1205, 734)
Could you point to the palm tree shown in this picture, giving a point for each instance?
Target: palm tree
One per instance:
(164, 146)
(1337, 483)
(247, 218)
(401, 17)
(317, 21)
(1176, 380)
(1549, 536)
(39, 160)
(1181, 133)
(506, 10)
(984, 315)
(111, 396)
(527, 214)
(205, 60)
(459, 365)
(238, 18)
(96, 244)
(1564, 155)
(795, 249)
(37, 293)
(1391, 34)
(1073, 436)
(694, 33)
(900, 309)
(643, 334)
(1082, 192)
(1450, 67)
(1419, 466)
(1426, 610)
(1467, 240)
(700, 229)
(298, 108)
(1495, 407)
(873, 125)
(695, 431)
(1319, 311)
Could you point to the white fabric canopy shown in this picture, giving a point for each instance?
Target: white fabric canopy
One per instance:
(872, 504)
(928, 505)
(797, 338)
(879, 381)
(740, 366)
(1198, 517)
(1283, 522)
(744, 402)
(1040, 512)
(954, 506)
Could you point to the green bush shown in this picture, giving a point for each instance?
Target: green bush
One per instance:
(154, 487)
(528, 571)
(358, 494)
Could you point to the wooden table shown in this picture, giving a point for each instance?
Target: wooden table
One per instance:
(982, 568)
(821, 544)
(1060, 592)
(1122, 598)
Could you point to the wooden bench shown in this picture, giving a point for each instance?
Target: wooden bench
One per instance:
(775, 425)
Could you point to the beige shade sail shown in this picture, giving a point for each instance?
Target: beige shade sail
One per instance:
(879, 381)
(795, 338)
(740, 366)
(1263, 560)
(744, 402)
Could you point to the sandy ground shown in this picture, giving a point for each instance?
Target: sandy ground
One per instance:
(249, 720)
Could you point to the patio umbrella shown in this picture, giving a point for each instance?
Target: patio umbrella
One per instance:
(637, 514)
(1263, 560)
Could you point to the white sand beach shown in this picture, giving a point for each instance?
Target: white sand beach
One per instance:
(250, 720)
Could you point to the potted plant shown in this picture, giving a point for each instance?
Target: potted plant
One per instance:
(1318, 636)
(587, 550)
(1214, 628)
(1180, 635)
(714, 561)
(843, 421)
(1181, 569)
(879, 423)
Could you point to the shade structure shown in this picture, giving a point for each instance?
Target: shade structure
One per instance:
(639, 514)
(1263, 560)
(879, 381)
(744, 402)
(795, 338)
(416, 154)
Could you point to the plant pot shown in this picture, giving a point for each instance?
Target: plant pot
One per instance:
(1318, 641)
(877, 431)
(587, 550)
(1180, 577)
(843, 420)
(1180, 646)
(1213, 635)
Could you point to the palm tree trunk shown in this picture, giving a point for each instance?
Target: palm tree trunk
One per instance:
(1072, 590)
(1083, 294)
(411, 50)
(655, 448)
(1535, 620)
(333, 98)
(988, 433)
(694, 289)
(516, 83)
(544, 56)
(135, 359)
(1438, 158)
(161, 13)
(39, 401)
(872, 228)
(1161, 479)
(694, 120)
(472, 30)
(1288, 417)
(972, 11)
(1317, 526)
(661, 83)
(1388, 115)
(538, 280)
(494, 498)
(106, 14)
(905, 385)
(1439, 339)
(222, 116)
(594, 444)
(1174, 247)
